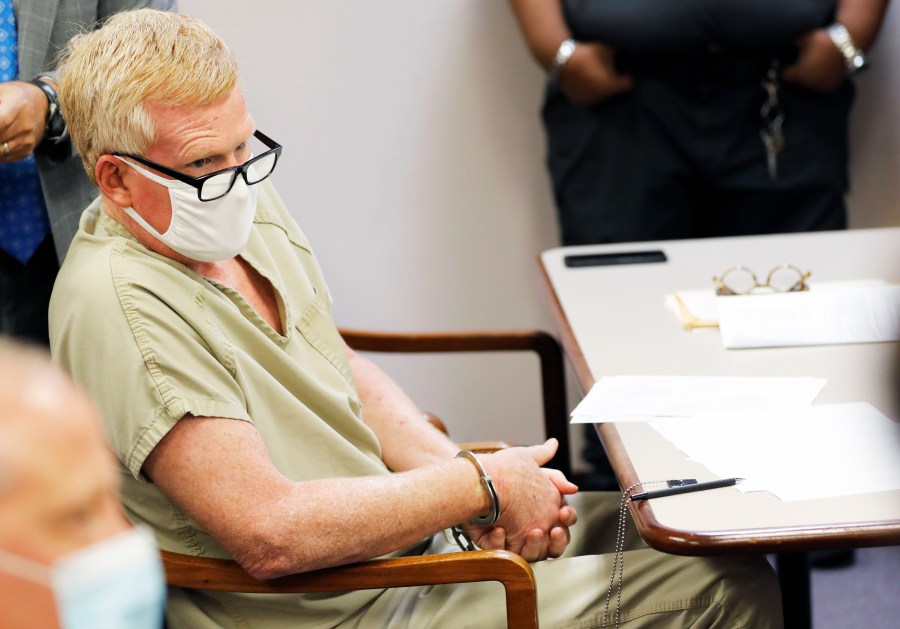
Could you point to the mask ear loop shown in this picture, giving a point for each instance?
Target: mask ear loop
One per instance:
(166, 183)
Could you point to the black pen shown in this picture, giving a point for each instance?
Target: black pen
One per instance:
(683, 489)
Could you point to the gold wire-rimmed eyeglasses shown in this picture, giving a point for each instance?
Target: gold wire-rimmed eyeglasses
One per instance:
(739, 280)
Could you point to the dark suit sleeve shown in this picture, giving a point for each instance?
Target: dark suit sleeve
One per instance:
(108, 8)
(649, 27)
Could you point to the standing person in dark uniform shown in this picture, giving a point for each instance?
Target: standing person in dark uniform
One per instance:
(671, 120)
(43, 187)
(683, 120)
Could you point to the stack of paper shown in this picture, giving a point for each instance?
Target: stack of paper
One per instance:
(856, 314)
(850, 311)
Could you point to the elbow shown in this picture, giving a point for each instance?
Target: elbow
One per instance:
(269, 567)
(263, 557)
(283, 542)
(269, 560)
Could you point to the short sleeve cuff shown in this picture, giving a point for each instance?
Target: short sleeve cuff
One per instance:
(167, 418)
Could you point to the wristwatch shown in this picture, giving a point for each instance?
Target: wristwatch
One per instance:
(563, 54)
(854, 59)
(55, 130)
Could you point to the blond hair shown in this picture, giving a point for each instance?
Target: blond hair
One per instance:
(108, 76)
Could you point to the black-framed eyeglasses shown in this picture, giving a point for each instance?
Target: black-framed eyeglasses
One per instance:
(216, 185)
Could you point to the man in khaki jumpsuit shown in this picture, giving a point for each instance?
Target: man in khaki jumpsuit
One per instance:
(192, 307)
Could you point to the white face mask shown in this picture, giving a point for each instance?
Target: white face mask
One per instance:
(206, 231)
(113, 584)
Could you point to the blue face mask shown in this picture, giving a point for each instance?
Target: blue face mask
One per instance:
(113, 584)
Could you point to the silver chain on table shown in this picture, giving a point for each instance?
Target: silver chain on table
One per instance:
(618, 568)
(771, 116)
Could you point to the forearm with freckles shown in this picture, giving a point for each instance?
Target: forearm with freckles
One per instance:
(407, 440)
(219, 472)
(345, 520)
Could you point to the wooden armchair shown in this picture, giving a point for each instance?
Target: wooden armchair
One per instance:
(509, 569)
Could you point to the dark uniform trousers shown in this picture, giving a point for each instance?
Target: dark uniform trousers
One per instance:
(681, 155)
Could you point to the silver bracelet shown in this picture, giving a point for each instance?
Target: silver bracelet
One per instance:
(563, 54)
(488, 485)
(854, 58)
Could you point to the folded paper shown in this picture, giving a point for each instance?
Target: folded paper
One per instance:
(847, 314)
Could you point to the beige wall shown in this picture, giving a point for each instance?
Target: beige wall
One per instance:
(414, 162)
(875, 134)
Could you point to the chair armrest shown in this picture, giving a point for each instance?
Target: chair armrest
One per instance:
(436, 421)
(545, 346)
(203, 573)
(485, 447)
(474, 446)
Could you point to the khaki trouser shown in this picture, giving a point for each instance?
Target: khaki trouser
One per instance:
(659, 590)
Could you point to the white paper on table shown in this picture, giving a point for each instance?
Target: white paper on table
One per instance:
(818, 452)
(701, 305)
(852, 314)
(639, 398)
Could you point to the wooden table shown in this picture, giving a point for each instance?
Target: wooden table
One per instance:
(612, 321)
